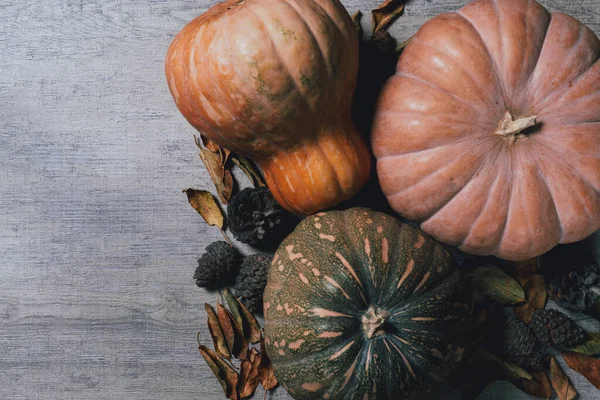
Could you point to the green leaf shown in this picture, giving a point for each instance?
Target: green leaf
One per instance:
(492, 283)
(590, 347)
(512, 371)
(244, 317)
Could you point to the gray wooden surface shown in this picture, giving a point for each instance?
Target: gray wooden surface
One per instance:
(97, 243)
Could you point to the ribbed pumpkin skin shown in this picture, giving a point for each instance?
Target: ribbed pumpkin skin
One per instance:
(324, 279)
(274, 80)
(438, 159)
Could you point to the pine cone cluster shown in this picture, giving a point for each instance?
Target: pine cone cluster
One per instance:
(553, 328)
(579, 289)
(218, 266)
(520, 345)
(252, 280)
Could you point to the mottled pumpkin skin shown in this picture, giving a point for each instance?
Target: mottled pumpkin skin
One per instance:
(439, 159)
(325, 280)
(274, 80)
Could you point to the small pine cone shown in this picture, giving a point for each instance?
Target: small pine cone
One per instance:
(255, 218)
(252, 280)
(579, 289)
(218, 266)
(520, 346)
(554, 328)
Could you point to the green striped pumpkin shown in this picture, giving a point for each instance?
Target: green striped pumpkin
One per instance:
(361, 306)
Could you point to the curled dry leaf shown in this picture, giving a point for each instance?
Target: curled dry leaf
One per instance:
(226, 326)
(586, 365)
(248, 381)
(492, 283)
(536, 295)
(216, 331)
(226, 375)
(249, 169)
(386, 14)
(221, 177)
(560, 382)
(539, 386)
(265, 369)
(240, 343)
(209, 144)
(590, 347)
(251, 325)
(207, 207)
(215, 159)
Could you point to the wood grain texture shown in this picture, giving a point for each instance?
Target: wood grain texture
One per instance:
(97, 243)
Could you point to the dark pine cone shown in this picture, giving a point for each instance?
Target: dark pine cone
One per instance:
(554, 328)
(255, 218)
(520, 346)
(218, 266)
(252, 279)
(579, 290)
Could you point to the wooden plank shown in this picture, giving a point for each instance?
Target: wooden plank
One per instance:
(97, 243)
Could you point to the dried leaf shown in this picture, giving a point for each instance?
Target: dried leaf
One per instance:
(512, 371)
(560, 382)
(245, 319)
(207, 207)
(226, 326)
(536, 296)
(251, 325)
(265, 369)
(524, 270)
(220, 176)
(216, 331)
(539, 386)
(586, 365)
(491, 282)
(249, 169)
(590, 347)
(386, 14)
(249, 374)
(209, 144)
(226, 375)
(240, 343)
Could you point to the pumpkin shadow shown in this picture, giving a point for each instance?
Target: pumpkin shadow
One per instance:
(377, 63)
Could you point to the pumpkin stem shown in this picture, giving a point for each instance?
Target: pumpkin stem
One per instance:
(511, 128)
(373, 321)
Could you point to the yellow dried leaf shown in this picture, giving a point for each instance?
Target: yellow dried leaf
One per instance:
(204, 202)
(560, 382)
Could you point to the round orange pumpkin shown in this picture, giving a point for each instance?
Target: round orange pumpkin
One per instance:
(274, 80)
(489, 132)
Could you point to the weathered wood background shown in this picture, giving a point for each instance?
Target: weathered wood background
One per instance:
(97, 243)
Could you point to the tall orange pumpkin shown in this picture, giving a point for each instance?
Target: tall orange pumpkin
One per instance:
(489, 132)
(274, 80)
